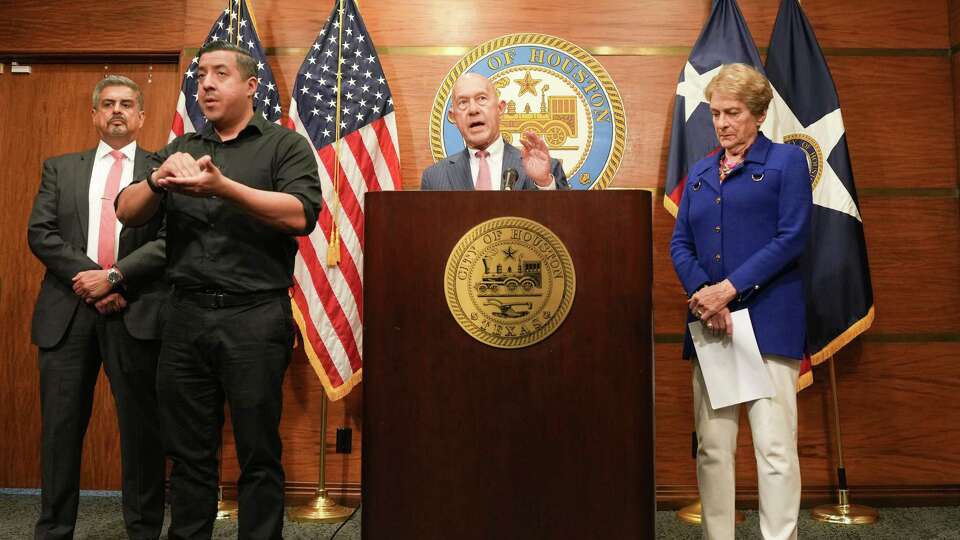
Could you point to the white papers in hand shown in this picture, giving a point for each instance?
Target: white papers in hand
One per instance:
(732, 367)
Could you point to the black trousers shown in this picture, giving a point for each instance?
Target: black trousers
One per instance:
(238, 354)
(68, 375)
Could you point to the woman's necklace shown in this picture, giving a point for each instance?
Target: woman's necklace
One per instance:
(728, 165)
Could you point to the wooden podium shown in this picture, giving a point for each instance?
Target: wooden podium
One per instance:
(462, 440)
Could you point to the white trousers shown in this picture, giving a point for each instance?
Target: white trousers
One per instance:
(773, 424)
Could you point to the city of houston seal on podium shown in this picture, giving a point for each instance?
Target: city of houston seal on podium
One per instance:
(509, 282)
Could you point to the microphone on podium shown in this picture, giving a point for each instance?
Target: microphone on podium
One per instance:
(508, 179)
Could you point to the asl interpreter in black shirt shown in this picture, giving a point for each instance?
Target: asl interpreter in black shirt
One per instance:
(235, 195)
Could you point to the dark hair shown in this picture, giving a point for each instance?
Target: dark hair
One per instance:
(246, 64)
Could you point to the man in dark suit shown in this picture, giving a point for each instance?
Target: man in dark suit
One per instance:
(476, 112)
(99, 302)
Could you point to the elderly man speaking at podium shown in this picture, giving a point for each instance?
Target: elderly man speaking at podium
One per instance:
(488, 163)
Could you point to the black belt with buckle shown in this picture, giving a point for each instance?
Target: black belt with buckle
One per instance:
(212, 299)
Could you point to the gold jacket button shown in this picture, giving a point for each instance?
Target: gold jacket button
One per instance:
(716, 257)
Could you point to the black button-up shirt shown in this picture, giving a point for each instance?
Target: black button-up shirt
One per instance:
(212, 244)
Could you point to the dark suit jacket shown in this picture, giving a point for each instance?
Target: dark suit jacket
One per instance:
(453, 172)
(57, 235)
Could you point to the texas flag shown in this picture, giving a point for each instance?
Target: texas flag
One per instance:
(723, 40)
(806, 112)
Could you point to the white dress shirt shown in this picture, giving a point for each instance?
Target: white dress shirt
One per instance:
(495, 163)
(102, 162)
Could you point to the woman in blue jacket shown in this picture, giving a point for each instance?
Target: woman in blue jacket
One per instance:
(741, 228)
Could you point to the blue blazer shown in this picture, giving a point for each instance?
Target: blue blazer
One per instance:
(752, 230)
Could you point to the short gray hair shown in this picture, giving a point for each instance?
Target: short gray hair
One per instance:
(116, 80)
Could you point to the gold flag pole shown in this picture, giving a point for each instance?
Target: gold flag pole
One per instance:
(225, 509)
(333, 245)
(321, 508)
(842, 513)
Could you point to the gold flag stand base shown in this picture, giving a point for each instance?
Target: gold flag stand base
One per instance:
(320, 509)
(692, 513)
(226, 509)
(845, 513)
(842, 513)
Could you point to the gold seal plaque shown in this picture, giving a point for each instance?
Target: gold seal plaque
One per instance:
(510, 282)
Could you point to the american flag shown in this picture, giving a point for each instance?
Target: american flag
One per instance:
(352, 127)
(236, 25)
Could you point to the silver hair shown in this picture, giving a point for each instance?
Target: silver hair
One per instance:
(116, 80)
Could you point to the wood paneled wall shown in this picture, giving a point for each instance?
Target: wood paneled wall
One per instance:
(954, 13)
(898, 84)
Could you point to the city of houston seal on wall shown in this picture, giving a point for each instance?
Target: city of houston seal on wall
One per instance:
(552, 87)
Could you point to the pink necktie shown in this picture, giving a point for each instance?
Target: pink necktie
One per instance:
(108, 217)
(483, 175)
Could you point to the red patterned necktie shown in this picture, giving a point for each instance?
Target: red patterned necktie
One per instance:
(108, 217)
(483, 175)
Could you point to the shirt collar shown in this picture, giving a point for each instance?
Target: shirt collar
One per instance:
(757, 153)
(257, 123)
(495, 149)
(758, 150)
(129, 151)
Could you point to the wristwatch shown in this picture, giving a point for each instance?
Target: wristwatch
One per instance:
(153, 184)
(114, 277)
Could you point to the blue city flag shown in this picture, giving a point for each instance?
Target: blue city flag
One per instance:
(235, 25)
(806, 112)
(725, 39)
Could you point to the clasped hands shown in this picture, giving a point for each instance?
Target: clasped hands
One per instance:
(92, 286)
(709, 304)
(183, 174)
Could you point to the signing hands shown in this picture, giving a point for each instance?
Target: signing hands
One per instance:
(536, 158)
(181, 173)
(709, 304)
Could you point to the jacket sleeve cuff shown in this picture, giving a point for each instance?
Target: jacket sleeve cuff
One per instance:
(745, 288)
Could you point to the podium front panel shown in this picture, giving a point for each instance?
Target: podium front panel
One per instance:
(463, 440)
